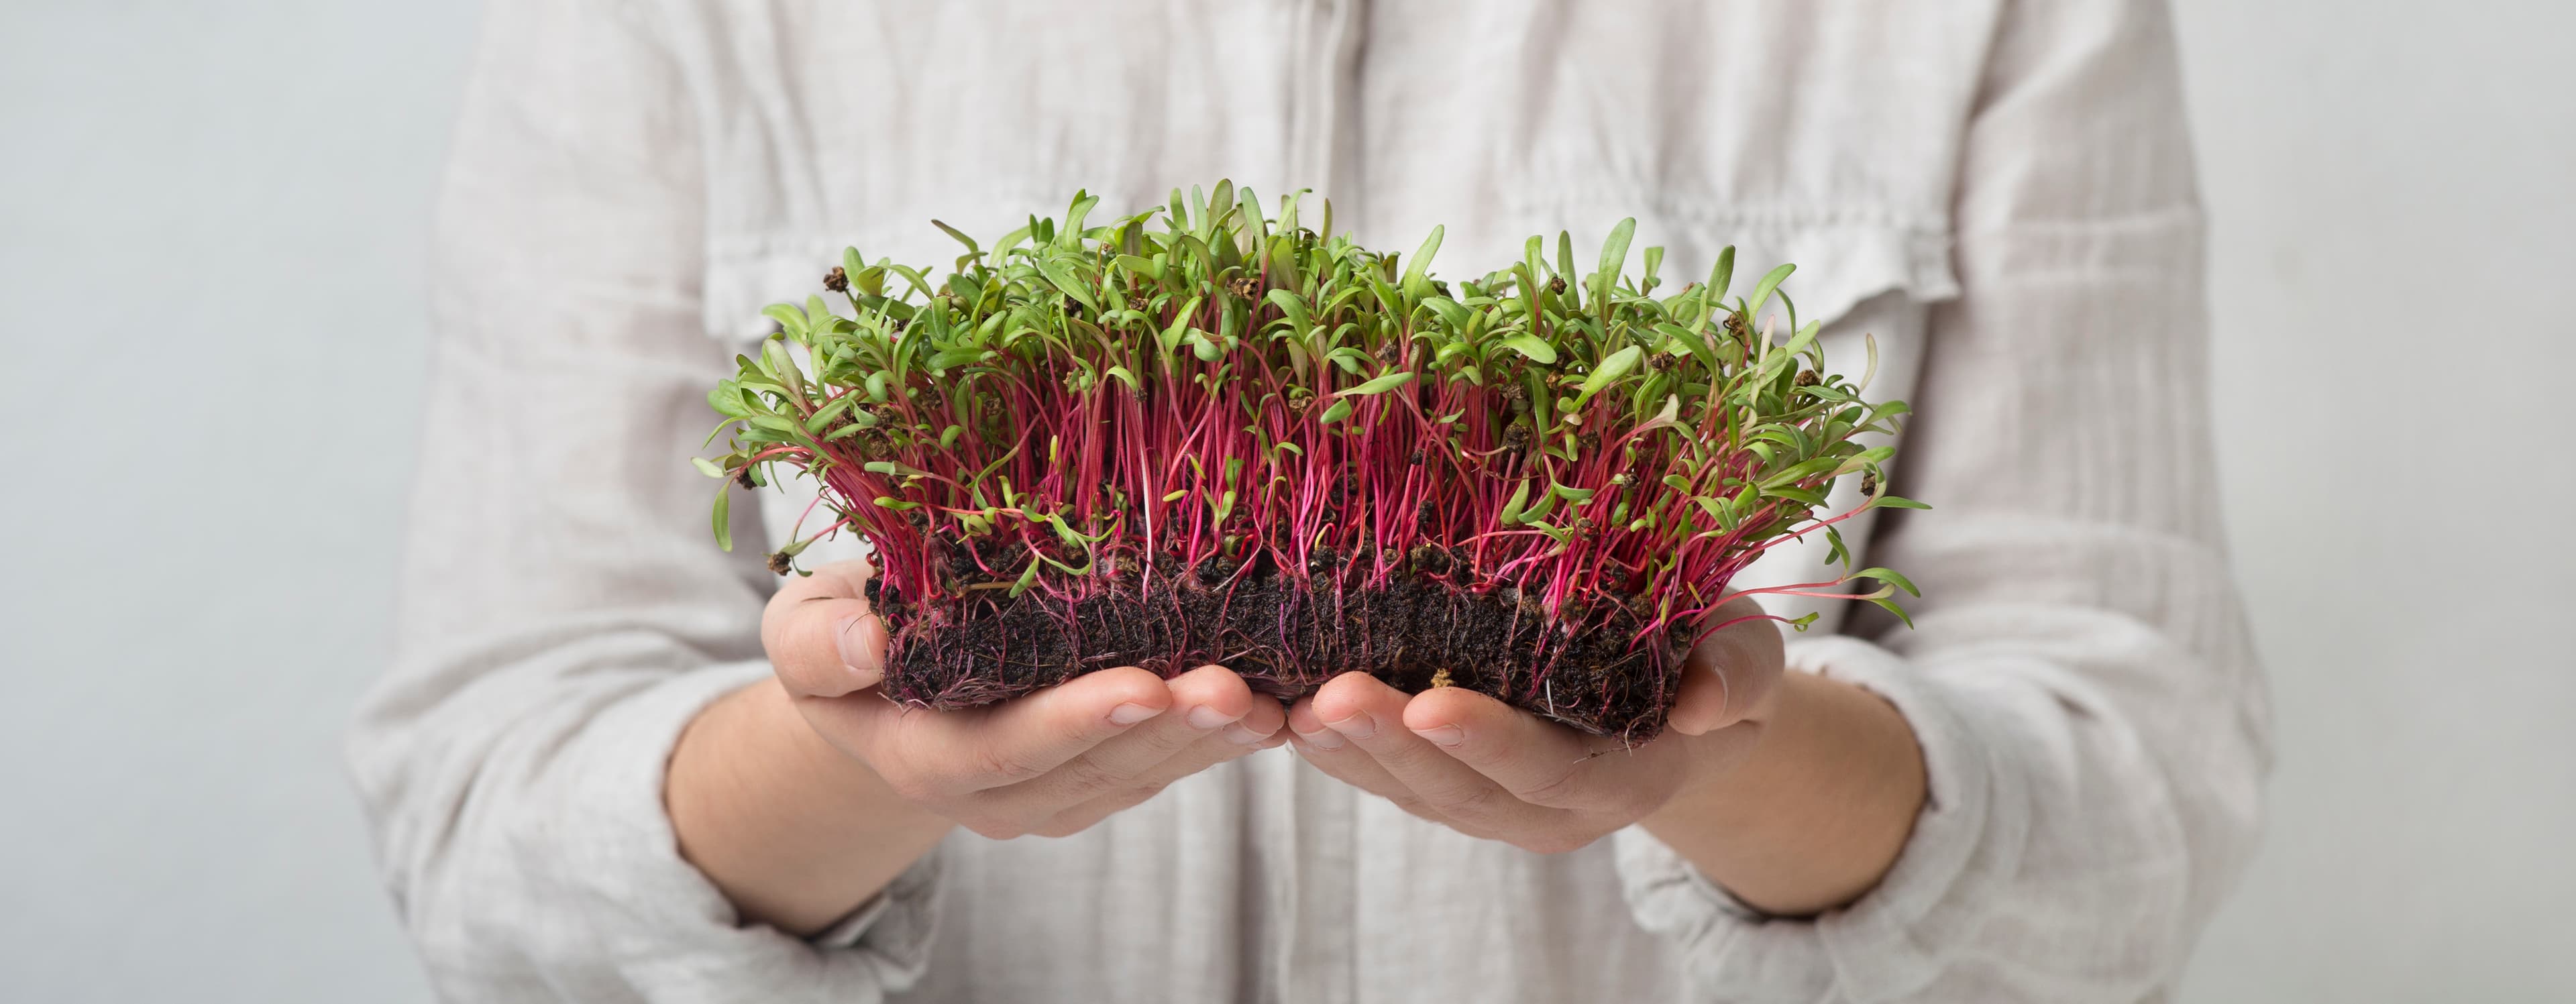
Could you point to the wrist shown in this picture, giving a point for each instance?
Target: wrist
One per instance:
(793, 831)
(1810, 809)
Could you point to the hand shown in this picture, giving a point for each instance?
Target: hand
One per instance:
(1049, 763)
(1483, 768)
(803, 796)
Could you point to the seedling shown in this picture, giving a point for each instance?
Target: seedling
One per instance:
(1206, 434)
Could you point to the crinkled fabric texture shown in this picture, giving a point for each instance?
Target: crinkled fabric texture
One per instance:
(2001, 194)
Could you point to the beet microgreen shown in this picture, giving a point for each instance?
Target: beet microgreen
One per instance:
(1206, 433)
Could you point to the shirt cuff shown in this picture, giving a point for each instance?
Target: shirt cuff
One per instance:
(897, 923)
(1897, 938)
(654, 916)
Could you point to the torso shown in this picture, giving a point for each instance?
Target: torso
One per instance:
(1823, 133)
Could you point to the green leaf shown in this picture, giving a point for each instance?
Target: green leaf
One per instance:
(1511, 513)
(788, 317)
(709, 468)
(1529, 345)
(1028, 577)
(1889, 577)
(1141, 266)
(1538, 510)
(971, 247)
(1291, 307)
(1565, 269)
(1893, 502)
(1063, 279)
(1762, 293)
(1890, 606)
(775, 423)
(773, 353)
(886, 467)
(1609, 371)
(724, 517)
(1577, 495)
(1382, 384)
(1338, 411)
(1418, 274)
(954, 358)
(1800, 495)
(824, 415)
(1698, 346)
(1873, 455)
(1614, 257)
(1451, 312)
(1798, 343)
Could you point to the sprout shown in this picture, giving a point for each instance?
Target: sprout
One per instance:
(1207, 434)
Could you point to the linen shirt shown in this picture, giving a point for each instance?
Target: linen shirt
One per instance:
(2002, 194)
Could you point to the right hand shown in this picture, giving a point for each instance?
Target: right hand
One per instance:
(1051, 763)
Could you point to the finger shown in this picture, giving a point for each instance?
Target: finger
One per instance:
(1205, 701)
(820, 634)
(1330, 752)
(1730, 675)
(1371, 715)
(1540, 762)
(955, 753)
(1208, 752)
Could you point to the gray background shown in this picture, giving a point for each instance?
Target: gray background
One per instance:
(211, 230)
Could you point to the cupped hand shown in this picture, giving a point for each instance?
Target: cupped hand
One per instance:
(1486, 769)
(1049, 763)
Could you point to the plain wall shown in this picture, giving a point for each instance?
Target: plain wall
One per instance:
(2393, 193)
(212, 220)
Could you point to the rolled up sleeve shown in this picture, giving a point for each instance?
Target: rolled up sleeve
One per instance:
(2080, 677)
(564, 612)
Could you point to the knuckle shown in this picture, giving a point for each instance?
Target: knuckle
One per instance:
(1478, 802)
(909, 784)
(1082, 779)
(1636, 803)
(1417, 807)
(1000, 760)
(1559, 790)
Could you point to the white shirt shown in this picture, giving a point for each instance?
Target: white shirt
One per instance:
(2003, 195)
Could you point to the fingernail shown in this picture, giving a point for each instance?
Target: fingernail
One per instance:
(1131, 713)
(1242, 735)
(1324, 740)
(1358, 726)
(859, 644)
(1445, 735)
(1204, 718)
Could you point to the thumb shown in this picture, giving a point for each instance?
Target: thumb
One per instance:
(1730, 675)
(823, 638)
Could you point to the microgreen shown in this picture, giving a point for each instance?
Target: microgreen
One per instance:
(1077, 407)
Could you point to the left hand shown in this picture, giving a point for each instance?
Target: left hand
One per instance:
(1483, 768)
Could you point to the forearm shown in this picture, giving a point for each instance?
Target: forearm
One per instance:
(1816, 814)
(795, 833)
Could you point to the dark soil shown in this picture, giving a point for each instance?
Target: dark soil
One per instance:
(1288, 635)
